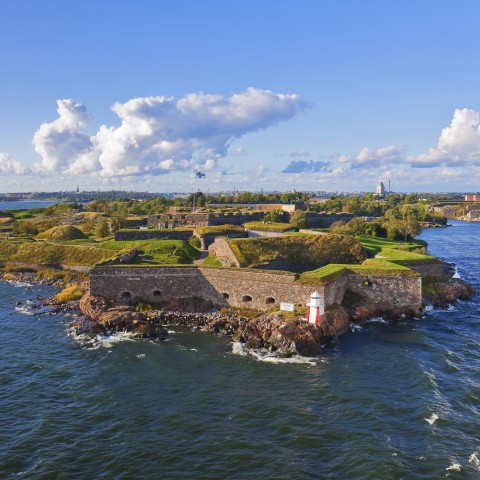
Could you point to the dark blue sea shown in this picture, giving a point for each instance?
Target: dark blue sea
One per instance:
(24, 204)
(391, 401)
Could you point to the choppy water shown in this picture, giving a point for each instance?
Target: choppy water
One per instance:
(389, 402)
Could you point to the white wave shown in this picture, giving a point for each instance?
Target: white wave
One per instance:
(429, 308)
(474, 459)
(194, 350)
(18, 283)
(140, 355)
(101, 341)
(355, 328)
(377, 320)
(269, 357)
(33, 308)
(455, 467)
(171, 332)
(432, 419)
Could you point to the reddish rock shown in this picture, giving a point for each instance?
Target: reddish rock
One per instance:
(448, 293)
(116, 317)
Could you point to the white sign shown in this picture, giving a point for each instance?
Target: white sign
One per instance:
(288, 307)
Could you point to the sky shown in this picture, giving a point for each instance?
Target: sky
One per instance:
(266, 95)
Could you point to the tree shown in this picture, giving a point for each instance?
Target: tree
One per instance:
(272, 216)
(117, 223)
(299, 219)
(103, 229)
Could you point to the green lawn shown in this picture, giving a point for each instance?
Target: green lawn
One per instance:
(220, 230)
(211, 261)
(155, 251)
(269, 227)
(374, 245)
(332, 272)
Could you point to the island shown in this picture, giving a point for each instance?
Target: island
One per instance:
(249, 272)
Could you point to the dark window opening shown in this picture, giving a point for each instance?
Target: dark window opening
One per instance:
(157, 293)
(270, 300)
(247, 298)
(126, 296)
(226, 296)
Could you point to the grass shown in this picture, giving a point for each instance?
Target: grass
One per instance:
(62, 233)
(269, 227)
(155, 251)
(374, 245)
(63, 275)
(70, 293)
(22, 214)
(297, 252)
(332, 272)
(220, 229)
(211, 261)
(48, 253)
(404, 257)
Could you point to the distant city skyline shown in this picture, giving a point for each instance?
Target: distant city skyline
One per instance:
(312, 96)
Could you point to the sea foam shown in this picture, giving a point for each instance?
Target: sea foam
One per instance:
(263, 355)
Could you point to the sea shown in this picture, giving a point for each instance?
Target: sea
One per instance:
(390, 401)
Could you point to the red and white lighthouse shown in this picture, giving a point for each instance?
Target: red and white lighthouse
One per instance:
(315, 309)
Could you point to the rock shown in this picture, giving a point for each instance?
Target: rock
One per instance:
(448, 293)
(116, 317)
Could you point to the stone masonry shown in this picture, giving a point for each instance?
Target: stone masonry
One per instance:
(245, 288)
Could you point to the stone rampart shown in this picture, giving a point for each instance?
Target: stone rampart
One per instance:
(239, 288)
(246, 288)
(430, 269)
(393, 291)
(221, 249)
(319, 220)
(146, 234)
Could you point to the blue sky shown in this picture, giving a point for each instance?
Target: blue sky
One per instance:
(305, 95)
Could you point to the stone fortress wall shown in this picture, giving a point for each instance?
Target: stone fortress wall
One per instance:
(201, 219)
(245, 288)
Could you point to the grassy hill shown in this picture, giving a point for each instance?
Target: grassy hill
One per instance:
(297, 252)
(49, 253)
(62, 233)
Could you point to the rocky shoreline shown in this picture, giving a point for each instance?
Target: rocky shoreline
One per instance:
(282, 334)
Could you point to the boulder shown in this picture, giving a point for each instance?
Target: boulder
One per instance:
(116, 317)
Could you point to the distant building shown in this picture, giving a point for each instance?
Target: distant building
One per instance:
(380, 189)
(472, 197)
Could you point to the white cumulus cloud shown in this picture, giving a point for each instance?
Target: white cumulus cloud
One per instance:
(63, 146)
(374, 158)
(158, 134)
(10, 166)
(459, 143)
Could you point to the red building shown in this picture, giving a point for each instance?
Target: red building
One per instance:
(472, 197)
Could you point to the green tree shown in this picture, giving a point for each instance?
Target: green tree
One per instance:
(103, 229)
(272, 216)
(299, 219)
(117, 223)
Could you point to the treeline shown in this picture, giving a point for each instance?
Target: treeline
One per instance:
(402, 222)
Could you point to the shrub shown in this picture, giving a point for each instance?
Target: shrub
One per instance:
(195, 242)
(9, 276)
(70, 293)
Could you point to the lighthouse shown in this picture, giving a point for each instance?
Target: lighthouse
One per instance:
(315, 308)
